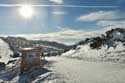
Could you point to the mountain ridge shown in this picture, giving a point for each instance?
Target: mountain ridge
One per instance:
(16, 43)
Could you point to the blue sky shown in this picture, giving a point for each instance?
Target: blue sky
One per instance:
(75, 15)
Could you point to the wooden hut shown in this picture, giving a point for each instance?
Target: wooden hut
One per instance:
(31, 57)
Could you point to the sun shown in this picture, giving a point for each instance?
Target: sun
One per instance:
(26, 11)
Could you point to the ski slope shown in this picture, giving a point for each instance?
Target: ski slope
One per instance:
(79, 71)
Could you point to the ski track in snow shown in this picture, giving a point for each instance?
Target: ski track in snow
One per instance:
(79, 71)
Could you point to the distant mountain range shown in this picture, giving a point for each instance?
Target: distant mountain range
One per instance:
(53, 48)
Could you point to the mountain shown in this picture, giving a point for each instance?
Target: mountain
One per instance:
(52, 44)
(50, 48)
(108, 46)
(109, 39)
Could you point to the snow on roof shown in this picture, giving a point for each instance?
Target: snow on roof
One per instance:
(28, 49)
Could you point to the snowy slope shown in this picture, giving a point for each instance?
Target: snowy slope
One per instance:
(4, 51)
(84, 51)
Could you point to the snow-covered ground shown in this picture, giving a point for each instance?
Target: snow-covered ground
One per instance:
(38, 76)
(79, 71)
(67, 70)
(34, 75)
(5, 52)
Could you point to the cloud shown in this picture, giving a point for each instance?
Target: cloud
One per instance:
(57, 1)
(67, 36)
(58, 13)
(100, 15)
(112, 24)
(105, 19)
(63, 28)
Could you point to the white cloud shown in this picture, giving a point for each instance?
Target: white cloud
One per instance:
(57, 1)
(67, 36)
(100, 15)
(63, 28)
(111, 24)
(58, 13)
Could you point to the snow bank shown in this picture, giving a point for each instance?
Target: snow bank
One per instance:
(5, 52)
(85, 51)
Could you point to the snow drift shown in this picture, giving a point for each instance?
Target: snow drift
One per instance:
(105, 53)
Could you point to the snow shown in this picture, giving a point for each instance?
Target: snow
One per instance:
(79, 71)
(67, 70)
(85, 51)
(33, 75)
(84, 71)
(117, 35)
(48, 77)
(5, 52)
(119, 46)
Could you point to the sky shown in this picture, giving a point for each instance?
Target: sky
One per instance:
(66, 21)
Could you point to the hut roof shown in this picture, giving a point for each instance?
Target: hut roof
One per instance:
(30, 49)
